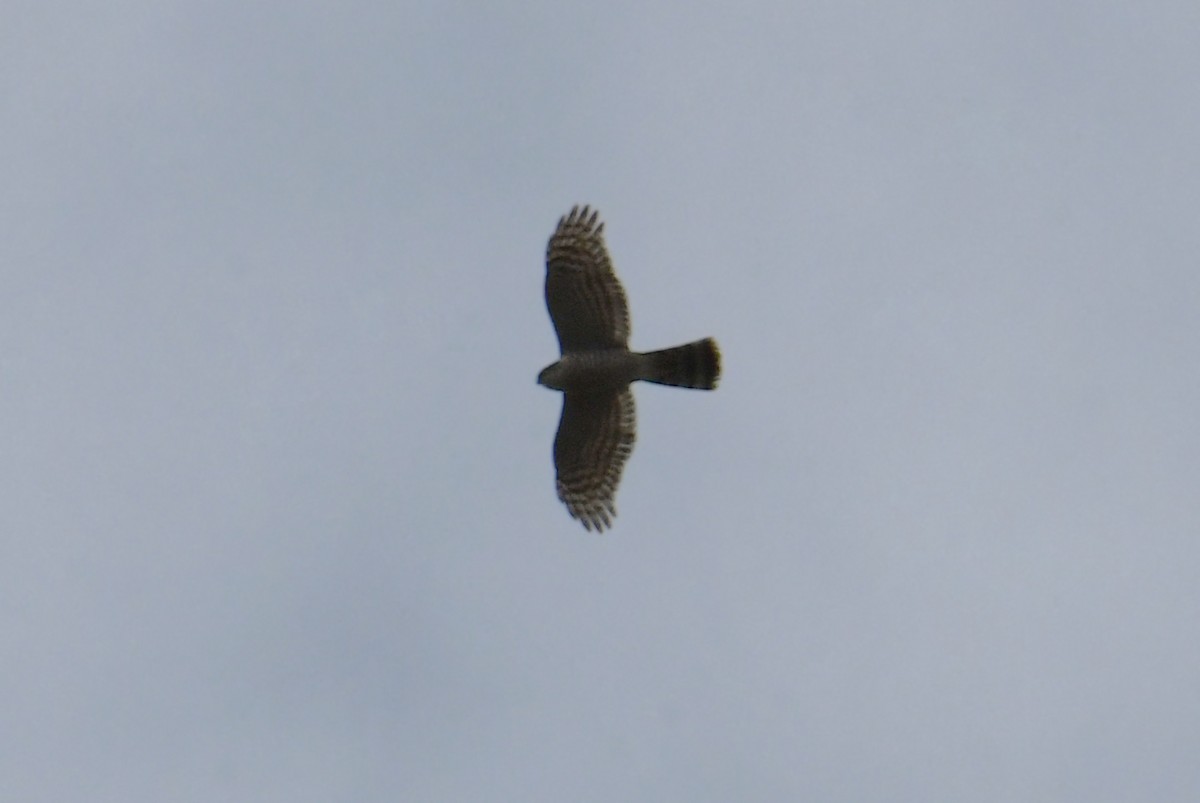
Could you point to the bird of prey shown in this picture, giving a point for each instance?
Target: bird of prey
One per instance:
(596, 368)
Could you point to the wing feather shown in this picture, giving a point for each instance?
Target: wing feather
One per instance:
(595, 437)
(586, 301)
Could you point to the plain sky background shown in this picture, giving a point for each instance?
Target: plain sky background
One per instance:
(277, 514)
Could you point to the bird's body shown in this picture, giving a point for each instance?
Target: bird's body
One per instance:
(592, 371)
(591, 317)
(694, 365)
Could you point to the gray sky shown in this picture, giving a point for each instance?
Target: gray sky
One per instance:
(277, 514)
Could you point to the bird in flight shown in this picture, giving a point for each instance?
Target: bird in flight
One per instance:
(591, 317)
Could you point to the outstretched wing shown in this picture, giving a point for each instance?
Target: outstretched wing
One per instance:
(595, 438)
(586, 302)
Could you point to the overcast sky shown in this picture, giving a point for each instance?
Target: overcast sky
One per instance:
(277, 511)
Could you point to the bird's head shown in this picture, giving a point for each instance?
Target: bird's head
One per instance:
(551, 376)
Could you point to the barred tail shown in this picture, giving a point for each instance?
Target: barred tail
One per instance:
(695, 365)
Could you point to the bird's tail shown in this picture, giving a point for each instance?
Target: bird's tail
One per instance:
(694, 365)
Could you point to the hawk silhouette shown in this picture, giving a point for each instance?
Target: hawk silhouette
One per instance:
(596, 368)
